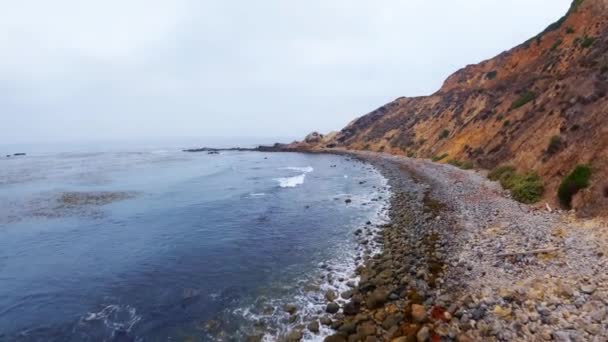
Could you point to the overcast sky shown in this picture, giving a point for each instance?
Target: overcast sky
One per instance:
(140, 69)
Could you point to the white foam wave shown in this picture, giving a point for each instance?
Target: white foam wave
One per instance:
(305, 169)
(253, 194)
(291, 182)
(115, 317)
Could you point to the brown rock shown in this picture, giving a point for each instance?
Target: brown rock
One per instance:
(367, 328)
(376, 299)
(335, 338)
(418, 313)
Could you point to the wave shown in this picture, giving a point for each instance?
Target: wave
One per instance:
(305, 169)
(291, 182)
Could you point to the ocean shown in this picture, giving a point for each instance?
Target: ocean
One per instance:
(163, 245)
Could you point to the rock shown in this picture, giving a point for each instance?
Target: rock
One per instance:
(313, 137)
(376, 299)
(330, 295)
(348, 328)
(423, 334)
(348, 200)
(351, 308)
(367, 328)
(588, 289)
(347, 294)
(399, 339)
(325, 320)
(294, 336)
(335, 338)
(313, 326)
(291, 308)
(332, 308)
(418, 313)
(561, 336)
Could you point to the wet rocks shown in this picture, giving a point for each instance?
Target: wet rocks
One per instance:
(313, 326)
(332, 308)
(330, 295)
(290, 308)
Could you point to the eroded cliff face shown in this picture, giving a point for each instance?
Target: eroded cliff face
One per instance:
(509, 109)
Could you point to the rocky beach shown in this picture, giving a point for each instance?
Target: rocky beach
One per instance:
(461, 261)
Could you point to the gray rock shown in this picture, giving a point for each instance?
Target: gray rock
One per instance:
(588, 289)
(313, 326)
(332, 308)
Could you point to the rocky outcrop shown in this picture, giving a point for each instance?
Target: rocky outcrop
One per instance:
(540, 107)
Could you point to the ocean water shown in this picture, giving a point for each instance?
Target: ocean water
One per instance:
(163, 245)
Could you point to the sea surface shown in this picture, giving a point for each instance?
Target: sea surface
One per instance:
(162, 245)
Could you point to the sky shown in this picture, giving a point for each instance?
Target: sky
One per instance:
(73, 70)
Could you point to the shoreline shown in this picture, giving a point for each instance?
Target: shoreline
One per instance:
(460, 261)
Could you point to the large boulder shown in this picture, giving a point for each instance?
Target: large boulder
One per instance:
(313, 138)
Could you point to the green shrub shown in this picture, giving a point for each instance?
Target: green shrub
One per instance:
(465, 165)
(577, 180)
(587, 41)
(569, 30)
(439, 157)
(526, 188)
(444, 134)
(556, 44)
(491, 75)
(498, 172)
(528, 96)
(554, 145)
(507, 123)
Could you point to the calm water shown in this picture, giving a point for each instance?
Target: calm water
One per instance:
(170, 246)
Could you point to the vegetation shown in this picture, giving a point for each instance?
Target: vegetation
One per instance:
(556, 44)
(569, 30)
(498, 172)
(439, 157)
(587, 41)
(526, 97)
(577, 180)
(526, 188)
(558, 24)
(465, 165)
(507, 123)
(444, 134)
(491, 75)
(554, 145)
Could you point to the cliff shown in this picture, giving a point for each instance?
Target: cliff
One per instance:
(539, 107)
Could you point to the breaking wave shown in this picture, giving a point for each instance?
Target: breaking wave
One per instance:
(291, 182)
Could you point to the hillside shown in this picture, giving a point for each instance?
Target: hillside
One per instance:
(540, 107)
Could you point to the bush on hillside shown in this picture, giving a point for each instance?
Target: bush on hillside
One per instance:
(526, 97)
(465, 165)
(577, 180)
(526, 188)
(498, 172)
(554, 145)
(439, 157)
(587, 41)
